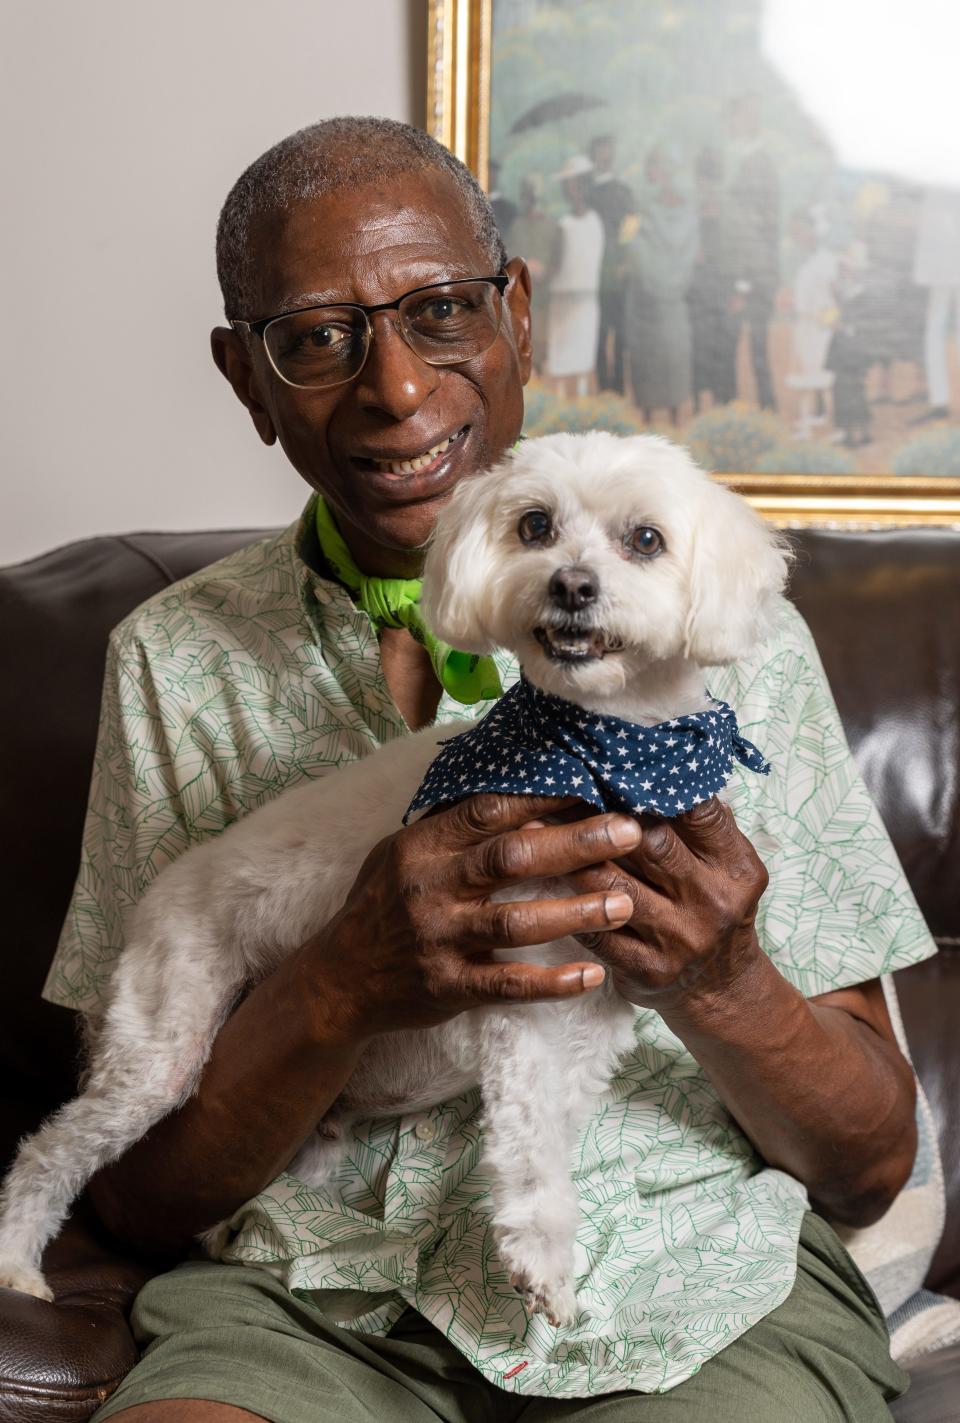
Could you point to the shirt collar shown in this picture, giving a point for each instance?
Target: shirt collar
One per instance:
(325, 601)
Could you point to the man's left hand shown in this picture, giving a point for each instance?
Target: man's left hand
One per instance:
(690, 951)
(695, 882)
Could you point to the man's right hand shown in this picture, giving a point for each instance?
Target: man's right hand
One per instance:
(419, 939)
(415, 943)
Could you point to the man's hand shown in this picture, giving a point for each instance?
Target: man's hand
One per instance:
(416, 942)
(695, 883)
(419, 939)
(819, 1086)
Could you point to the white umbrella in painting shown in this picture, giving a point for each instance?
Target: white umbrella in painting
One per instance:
(879, 77)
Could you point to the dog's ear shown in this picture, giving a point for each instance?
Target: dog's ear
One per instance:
(459, 571)
(738, 566)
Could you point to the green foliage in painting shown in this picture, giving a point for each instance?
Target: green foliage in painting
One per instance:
(734, 437)
(933, 452)
(806, 458)
(546, 413)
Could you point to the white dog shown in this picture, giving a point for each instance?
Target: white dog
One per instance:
(615, 570)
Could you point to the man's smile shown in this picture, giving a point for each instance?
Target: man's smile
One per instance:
(408, 475)
(397, 463)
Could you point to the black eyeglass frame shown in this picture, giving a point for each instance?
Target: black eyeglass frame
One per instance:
(257, 328)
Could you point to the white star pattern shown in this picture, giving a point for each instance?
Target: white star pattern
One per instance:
(653, 769)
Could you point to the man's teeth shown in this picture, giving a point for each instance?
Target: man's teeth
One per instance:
(421, 461)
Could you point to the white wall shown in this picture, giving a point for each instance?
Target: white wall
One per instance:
(124, 124)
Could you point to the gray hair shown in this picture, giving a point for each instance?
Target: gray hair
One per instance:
(327, 156)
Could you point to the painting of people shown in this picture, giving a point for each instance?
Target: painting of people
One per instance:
(714, 255)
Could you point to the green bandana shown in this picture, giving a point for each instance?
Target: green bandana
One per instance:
(395, 603)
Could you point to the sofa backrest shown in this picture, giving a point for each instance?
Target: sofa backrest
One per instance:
(884, 608)
(56, 612)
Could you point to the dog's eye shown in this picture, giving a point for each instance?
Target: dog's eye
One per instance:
(646, 541)
(535, 526)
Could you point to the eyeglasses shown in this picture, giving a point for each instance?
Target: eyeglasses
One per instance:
(323, 346)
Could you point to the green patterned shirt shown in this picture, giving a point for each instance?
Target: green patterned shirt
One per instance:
(257, 672)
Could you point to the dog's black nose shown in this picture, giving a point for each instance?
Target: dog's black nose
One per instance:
(573, 588)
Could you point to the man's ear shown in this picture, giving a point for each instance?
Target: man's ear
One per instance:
(518, 302)
(232, 360)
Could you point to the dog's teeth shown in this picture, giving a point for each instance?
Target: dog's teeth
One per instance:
(574, 644)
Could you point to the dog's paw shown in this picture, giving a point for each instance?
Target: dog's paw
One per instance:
(540, 1264)
(555, 1300)
(15, 1275)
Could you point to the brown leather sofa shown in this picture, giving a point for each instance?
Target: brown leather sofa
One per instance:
(885, 610)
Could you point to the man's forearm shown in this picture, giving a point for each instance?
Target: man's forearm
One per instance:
(401, 953)
(820, 1094)
(277, 1065)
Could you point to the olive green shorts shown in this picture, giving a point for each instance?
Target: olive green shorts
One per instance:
(233, 1334)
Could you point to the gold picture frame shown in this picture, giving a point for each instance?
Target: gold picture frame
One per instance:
(459, 74)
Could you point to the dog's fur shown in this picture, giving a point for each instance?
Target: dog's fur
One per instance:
(228, 911)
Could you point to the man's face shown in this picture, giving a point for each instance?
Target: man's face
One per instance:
(372, 245)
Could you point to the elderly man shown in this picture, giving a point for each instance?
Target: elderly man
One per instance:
(765, 1069)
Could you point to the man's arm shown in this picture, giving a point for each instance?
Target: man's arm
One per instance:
(413, 945)
(819, 1086)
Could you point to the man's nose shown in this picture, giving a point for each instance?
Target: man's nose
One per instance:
(573, 588)
(394, 379)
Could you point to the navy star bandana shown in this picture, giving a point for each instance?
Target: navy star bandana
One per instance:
(533, 743)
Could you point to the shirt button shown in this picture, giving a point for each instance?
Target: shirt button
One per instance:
(424, 1131)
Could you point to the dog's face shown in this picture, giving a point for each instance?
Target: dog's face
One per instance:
(592, 557)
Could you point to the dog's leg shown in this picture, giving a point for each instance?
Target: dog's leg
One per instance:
(542, 1069)
(144, 1066)
(527, 1153)
(319, 1158)
(54, 1165)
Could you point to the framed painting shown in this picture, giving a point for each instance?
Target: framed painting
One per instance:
(735, 238)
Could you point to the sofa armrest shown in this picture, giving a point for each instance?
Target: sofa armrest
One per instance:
(929, 995)
(59, 1361)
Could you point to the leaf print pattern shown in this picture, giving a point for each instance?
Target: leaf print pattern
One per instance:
(257, 673)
